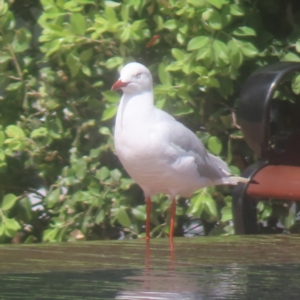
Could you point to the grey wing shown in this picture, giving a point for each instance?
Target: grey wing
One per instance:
(186, 144)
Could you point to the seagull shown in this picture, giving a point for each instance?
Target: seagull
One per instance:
(160, 154)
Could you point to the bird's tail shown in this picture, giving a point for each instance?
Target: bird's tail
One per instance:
(237, 179)
(229, 178)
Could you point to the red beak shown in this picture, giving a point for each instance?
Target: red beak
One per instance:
(118, 85)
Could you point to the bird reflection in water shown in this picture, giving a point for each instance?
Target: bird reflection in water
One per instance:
(157, 284)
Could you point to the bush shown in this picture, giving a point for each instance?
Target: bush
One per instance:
(58, 61)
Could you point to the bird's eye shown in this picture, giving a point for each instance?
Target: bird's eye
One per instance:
(139, 75)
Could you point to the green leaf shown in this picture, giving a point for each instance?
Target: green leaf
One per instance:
(123, 218)
(86, 55)
(81, 196)
(4, 57)
(98, 83)
(100, 217)
(204, 53)
(188, 67)
(57, 221)
(74, 64)
(105, 130)
(25, 210)
(244, 31)
(125, 34)
(227, 121)
(226, 212)
(72, 6)
(138, 25)
(95, 152)
(170, 24)
(164, 76)
(196, 3)
(9, 201)
(177, 65)
(86, 70)
(177, 54)
(81, 168)
(235, 170)
(197, 43)
(112, 3)
(115, 175)
(214, 145)
(86, 1)
(102, 173)
(2, 229)
(49, 235)
(78, 24)
(217, 3)
(183, 29)
(295, 86)
(213, 82)
(235, 55)
(182, 109)
(180, 38)
(211, 209)
(11, 227)
(160, 103)
(21, 40)
(213, 19)
(298, 46)
(125, 9)
(111, 14)
(52, 48)
(68, 181)
(197, 204)
(139, 212)
(14, 86)
(291, 57)
(2, 157)
(113, 62)
(227, 18)
(260, 206)
(247, 48)
(39, 132)
(267, 211)
(228, 201)
(109, 112)
(52, 198)
(2, 138)
(289, 220)
(126, 183)
(3, 8)
(221, 51)
(111, 96)
(15, 132)
(7, 22)
(236, 10)
(14, 145)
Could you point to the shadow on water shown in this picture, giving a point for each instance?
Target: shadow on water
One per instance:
(210, 268)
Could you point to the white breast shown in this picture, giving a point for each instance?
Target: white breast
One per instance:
(154, 164)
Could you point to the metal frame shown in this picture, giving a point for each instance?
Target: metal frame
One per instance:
(254, 116)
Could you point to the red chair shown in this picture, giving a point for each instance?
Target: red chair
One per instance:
(272, 130)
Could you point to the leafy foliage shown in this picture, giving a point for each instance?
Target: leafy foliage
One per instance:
(60, 179)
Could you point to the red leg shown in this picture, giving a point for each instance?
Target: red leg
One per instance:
(148, 216)
(173, 214)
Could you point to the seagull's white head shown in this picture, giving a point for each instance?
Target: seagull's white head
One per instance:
(134, 79)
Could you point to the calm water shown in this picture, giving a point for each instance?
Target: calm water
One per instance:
(226, 282)
(234, 268)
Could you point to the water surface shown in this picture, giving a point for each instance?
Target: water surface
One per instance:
(260, 267)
